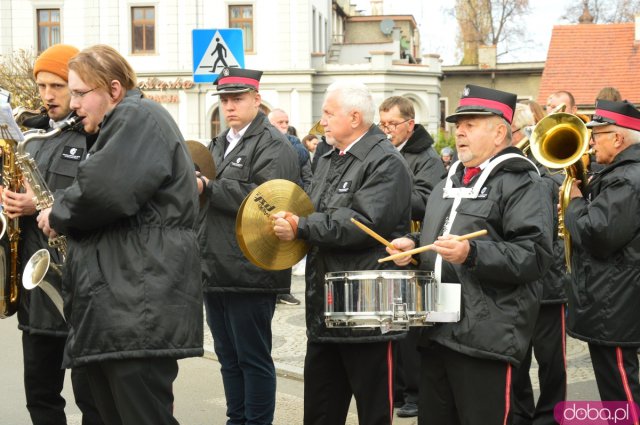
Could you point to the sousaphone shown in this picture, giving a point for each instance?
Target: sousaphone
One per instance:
(254, 225)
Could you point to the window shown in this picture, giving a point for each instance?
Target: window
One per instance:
(241, 16)
(48, 28)
(143, 30)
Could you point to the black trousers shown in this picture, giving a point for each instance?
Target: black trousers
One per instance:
(456, 389)
(407, 369)
(134, 391)
(335, 372)
(616, 372)
(44, 379)
(549, 346)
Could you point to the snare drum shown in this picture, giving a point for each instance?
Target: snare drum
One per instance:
(390, 299)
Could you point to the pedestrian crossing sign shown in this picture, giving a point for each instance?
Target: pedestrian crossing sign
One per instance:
(214, 49)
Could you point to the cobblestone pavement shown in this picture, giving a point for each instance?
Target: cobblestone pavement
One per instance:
(289, 343)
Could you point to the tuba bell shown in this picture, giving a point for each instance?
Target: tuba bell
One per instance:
(561, 140)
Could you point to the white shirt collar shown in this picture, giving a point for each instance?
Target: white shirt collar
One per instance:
(234, 138)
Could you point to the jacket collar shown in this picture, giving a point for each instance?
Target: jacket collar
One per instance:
(419, 141)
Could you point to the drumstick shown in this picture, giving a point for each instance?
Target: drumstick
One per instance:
(377, 237)
(430, 246)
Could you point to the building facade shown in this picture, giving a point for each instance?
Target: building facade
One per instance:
(290, 40)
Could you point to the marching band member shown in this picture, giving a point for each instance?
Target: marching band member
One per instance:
(605, 236)
(397, 120)
(44, 329)
(363, 177)
(132, 285)
(240, 297)
(491, 187)
(549, 337)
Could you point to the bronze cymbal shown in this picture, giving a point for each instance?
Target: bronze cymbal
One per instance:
(203, 161)
(202, 158)
(317, 129)
(254, 226)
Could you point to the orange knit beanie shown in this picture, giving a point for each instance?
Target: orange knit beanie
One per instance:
(55, 60)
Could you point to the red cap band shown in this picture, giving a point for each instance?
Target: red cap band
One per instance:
(239, 80)
(491, 104)
(620, 119)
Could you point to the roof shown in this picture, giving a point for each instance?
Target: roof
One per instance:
(584, 58)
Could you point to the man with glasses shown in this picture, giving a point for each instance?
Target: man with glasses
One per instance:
(397, 120)
(44, 330)
(605, 236)
(132, 284)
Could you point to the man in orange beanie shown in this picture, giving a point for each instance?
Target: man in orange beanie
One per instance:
(44, 330)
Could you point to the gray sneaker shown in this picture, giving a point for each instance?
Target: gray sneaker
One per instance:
(288, 299)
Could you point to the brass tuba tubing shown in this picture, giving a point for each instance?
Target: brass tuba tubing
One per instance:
(561, 140)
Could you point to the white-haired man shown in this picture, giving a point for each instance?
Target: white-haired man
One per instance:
(362, 177)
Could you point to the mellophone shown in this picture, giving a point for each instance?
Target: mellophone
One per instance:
(390, 299)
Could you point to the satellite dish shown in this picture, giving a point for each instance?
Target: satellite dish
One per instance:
(386, 26)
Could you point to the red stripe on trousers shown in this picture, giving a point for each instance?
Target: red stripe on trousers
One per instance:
(390, 379)
(625, 385)
(507, 395)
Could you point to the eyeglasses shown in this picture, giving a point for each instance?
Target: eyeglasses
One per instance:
(392, 126)
(594, 134)
(81, 93)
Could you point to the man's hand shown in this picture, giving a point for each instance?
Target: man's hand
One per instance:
(451, 250)
(283, 227)
(201, 181)
(19, 204)
(575, 190)
(401, 245)
(43, 223)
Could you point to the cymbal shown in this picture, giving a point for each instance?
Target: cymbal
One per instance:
(203, 161)
(317, 129)
(202, 158)
(254, 226)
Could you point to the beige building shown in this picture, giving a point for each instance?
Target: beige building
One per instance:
(331, 43)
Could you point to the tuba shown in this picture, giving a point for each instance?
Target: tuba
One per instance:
(561, 140)
(39, 266)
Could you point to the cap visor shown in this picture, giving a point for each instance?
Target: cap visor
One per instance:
(457, 115)
(231, 91)
(597, 124)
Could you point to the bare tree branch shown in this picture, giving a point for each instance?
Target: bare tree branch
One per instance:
(16, 76)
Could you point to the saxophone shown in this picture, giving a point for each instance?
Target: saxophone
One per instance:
(18, 166)
(9, 288)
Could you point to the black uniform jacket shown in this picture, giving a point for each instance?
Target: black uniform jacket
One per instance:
(57, 159)
(132, 286)
(500, 288)
(262, 154)
(556, 279)
(375, 189)
(605, 260)
(426, 167)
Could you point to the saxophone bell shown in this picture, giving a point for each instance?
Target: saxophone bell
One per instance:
(40, 272)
